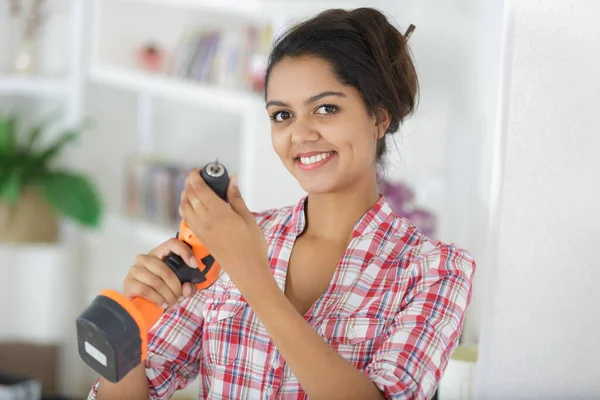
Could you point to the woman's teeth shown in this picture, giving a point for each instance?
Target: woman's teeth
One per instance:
(315, 159)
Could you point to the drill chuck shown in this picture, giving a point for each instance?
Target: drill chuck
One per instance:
(216, 176)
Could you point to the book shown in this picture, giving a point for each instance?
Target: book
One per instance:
(153, 190)
(233, 57)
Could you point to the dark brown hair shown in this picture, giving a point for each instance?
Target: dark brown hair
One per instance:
(365, 51)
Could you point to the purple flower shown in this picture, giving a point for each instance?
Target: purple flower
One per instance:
(401, 199)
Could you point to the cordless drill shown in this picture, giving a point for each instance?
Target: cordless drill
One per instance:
(112, 333)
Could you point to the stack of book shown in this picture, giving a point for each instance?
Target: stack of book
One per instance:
(153, 190)
(233, 58)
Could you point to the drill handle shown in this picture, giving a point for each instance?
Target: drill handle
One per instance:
(203, 276)
(150, 312)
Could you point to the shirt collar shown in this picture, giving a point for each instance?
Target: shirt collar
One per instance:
(369, 222)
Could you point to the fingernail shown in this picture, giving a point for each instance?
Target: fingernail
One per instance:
(165, 306)
(181, 298)
(193, 262)
(234, 180)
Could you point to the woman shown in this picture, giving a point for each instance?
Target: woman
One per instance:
(336, 296)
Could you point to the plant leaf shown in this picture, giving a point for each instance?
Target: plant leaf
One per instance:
(10, 187)
(53, 150)
(33, 136)
(37, 131)
(8, 136)
(74, 196)
(32, 170)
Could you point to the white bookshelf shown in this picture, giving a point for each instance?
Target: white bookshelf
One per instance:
(113, 43)
(164, 86)
(34, 86)
(53, 269)
(147, 233)
(257, 9)
(247, 7)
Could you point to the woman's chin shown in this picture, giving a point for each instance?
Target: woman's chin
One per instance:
(314, 187)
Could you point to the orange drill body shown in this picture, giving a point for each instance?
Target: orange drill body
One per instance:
(200, 253)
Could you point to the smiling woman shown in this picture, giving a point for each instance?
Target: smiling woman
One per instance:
(350, 73)
(333, 297)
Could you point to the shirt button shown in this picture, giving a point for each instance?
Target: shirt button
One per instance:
(351, 334)
(275, 364)
(213, 314)
(269, 391)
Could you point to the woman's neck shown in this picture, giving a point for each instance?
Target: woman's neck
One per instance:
(332, 216)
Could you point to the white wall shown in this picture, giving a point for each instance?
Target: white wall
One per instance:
(540, 334)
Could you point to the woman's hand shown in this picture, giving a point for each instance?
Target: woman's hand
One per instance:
(229, 231)
(154, 280)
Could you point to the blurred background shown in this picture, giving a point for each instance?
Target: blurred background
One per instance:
(106, 104)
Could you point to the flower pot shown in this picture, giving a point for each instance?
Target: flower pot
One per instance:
(31, 220)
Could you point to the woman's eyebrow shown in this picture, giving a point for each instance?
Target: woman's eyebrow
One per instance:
(324, 94)
(310, 100)
(276, 103)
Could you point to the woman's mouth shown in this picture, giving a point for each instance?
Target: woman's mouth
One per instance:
(314, 161)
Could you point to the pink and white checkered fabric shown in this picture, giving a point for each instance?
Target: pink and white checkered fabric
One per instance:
(394, 309)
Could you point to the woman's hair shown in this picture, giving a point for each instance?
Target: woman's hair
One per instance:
(365, 51)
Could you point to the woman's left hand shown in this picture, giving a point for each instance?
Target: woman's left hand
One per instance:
(229, 231)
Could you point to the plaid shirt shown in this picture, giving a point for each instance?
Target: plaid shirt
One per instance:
(394, 309)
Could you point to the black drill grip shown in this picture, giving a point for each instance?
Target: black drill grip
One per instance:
(216, 176)
(186, 273)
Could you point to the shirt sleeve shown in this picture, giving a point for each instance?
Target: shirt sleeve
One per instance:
(427, 327)
(174, 350)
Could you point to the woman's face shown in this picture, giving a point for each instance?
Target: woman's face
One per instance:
(320, 128)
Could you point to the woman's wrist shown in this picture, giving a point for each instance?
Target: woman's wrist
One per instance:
(259, 287)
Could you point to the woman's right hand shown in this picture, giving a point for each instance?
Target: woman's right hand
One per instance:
(154, 280)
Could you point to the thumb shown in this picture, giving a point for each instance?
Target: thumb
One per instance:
(234, 197)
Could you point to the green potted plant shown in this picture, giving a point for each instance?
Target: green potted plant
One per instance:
(34, 192)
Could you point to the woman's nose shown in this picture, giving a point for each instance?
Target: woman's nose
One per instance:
(304, 131)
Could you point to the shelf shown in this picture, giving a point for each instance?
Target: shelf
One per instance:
(247, 7)
(261, 9)
(172, 87)
(118, 226)
(38, 86)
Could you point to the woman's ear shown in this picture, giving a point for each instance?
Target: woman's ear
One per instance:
(384, 119)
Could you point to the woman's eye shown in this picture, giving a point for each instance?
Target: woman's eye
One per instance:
(280, 116)
(327, 109)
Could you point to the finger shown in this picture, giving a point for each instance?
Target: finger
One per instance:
(182, 212)
(135, 288)
(173, 308)
(236, 200)
(194, 197)
(178, 247)
(159, 276)
(189, 214)
(168, 276)
(189, 289)
(207, 196)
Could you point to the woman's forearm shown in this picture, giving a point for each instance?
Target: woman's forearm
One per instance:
(133, 386)
(321, 371)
